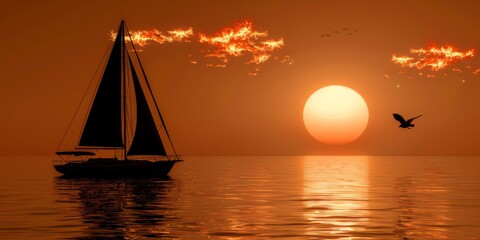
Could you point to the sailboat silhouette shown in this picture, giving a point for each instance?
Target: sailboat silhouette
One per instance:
(107, 123)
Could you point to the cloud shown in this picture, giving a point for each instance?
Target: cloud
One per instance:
(433, 58)
(240, 39)
(143, 38)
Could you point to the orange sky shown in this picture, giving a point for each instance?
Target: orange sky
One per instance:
(51, 50)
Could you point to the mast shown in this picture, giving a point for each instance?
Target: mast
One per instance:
(124, 78)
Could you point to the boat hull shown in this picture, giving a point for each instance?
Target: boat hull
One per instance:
(130, 168)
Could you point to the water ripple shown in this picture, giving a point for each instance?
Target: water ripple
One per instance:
(254, 198)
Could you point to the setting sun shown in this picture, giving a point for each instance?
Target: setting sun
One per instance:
(335, 115)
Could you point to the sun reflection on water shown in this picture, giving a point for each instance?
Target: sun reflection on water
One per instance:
(335, 195)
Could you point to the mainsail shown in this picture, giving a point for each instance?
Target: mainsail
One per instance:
(103, 127)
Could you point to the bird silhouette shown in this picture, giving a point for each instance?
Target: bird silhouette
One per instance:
(403, 123)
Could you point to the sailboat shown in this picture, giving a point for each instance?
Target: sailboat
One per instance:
(109, 121)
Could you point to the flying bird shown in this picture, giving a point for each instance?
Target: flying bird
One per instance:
(403, 123)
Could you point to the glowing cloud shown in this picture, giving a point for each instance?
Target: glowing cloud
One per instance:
(239, 40)
(145, 37)
(476, 71)
(457, 70)
(433, 58)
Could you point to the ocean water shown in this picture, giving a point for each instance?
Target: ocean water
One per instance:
(304, 197)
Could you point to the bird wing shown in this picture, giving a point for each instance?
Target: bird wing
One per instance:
(399, 118)
(411, 119)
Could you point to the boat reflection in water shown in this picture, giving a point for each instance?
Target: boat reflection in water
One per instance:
(117, 208)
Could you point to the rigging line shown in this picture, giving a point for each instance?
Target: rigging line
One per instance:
(151, 92)
(83, 98)
(124, 62)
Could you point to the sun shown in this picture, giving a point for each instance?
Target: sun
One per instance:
(335, 115)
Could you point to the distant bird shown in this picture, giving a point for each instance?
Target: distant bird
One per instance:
(403, 123)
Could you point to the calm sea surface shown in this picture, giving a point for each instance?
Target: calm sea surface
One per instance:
(249, 198)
